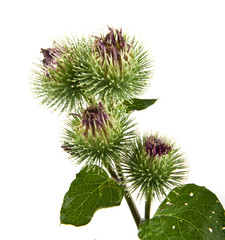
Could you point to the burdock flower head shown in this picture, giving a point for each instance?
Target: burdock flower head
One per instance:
(98, 136)
(56, 82)
(118, 68)
(154, 164)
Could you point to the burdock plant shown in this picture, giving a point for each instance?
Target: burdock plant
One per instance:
(98, 80)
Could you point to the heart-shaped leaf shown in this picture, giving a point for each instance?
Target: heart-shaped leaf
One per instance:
(91, 190)
(189, 212)
(138, 104)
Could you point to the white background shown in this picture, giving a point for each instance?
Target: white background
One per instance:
(187, 42)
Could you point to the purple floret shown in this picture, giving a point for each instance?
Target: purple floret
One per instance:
(156, 146)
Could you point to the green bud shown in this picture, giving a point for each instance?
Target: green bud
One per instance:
(56, 80)
(96, 136)
(154, 164)
(118, 68)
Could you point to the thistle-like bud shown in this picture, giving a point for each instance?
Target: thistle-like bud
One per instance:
(154, 164)
(98, 136)
(56, 81)
(118, 68)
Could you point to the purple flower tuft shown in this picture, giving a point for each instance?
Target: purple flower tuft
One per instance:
(156, 146)
(50, 58)
(112, 45)
(95, 118)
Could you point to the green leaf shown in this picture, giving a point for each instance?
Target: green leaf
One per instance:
(189, 212)
(91, 190)
(138, 104)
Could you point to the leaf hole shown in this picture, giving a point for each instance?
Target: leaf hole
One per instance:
(210, 229)
(191, 194)
(186, 204)
(213, 212)
(173, 227)
(223, 228)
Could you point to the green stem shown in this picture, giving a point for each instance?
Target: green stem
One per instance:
(133, 208)
(148, 202)
(130, 202)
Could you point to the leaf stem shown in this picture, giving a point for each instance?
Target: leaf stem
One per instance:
(130, 202)
(148, 202)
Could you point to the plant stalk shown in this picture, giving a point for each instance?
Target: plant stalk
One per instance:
(148, 202)
(133, 208)
(130, 202)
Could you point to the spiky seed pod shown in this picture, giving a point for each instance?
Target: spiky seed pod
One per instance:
(118, 68)
(96, 136)
(154, 164)
(56, 81)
